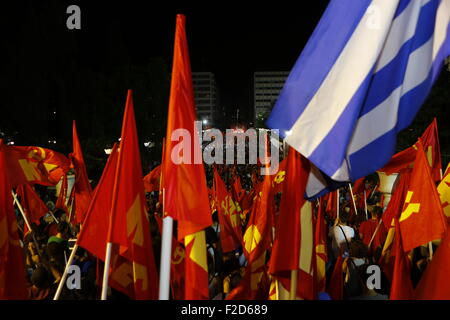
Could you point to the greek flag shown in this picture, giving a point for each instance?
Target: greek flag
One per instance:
(361, 79)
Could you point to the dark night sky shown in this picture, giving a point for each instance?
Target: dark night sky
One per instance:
(231, 39)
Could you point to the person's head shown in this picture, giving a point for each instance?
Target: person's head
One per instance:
(40, 278)
(343, 217)
(377, 211)
(63, 228)
(358, 249)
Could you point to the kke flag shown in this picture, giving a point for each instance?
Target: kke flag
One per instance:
(12, 266)
(93, 235)
(152, 180)
(444, 193)
(184, 175)
(35, 165)
(82, 188)
(422, 219)
(229, 216)
(405, 158)
(184, 180)
(129, 226)
(33, 206)
(293, 247)
(435, 282)
(362, 78)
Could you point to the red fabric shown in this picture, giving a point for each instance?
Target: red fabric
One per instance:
(406, 158)
(422, 219)
(35, 165)
(33, 206)
(401, 286)
(185, 183)
(184, 180)
(294, 223)
(435, 282)
(257, 239)
(152, 180)
(62, 201)
(367, 229)
(12, 266)
(395, 205)
(129, 226)
(331, 208)
(430, 141)
(93, 234)
(229, 218)
(336, 286)
(82, 190)
(359, 186)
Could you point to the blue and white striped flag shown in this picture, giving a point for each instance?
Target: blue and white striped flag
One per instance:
(361, 79)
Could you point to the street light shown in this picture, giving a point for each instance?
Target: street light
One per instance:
(205, 121)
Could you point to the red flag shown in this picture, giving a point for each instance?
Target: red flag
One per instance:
(186, 194)
(336, 285)
(12, 266)
(422, 219)
(82, 191)
(294, 241)
(63, 201)
(229, 219)
(359, 186)
(399, 191)
(35, 165)
(152, 180)
(279, 179)
(34, 208)
(93, 234)
(257, 239)
(435, 282)
(331, 199)
(184, 174)
(129, 226)
(401, 286)
(430, 142)
(406, 158)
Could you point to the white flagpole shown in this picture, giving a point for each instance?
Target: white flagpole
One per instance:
(365, 205)
(64, 275)
(106, 270)
(166, 255)
(21, 210)
(353, 198)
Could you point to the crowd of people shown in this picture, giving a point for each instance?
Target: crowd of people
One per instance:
(358, 237)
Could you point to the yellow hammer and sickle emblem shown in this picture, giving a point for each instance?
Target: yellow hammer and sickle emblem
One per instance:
(410, 207)
(279, 178)
(251, 238)
(178, 255)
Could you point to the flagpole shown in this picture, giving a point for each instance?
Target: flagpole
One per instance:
(21, 210)
(365, 205)
(66, 270)
(376, 230)
(166, 254)
(106, 270)
(294, 280)
(353, 198)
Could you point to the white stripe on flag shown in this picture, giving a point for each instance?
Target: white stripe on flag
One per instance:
(341, 83)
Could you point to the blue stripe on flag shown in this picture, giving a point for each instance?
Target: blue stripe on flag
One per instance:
(316, 60)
